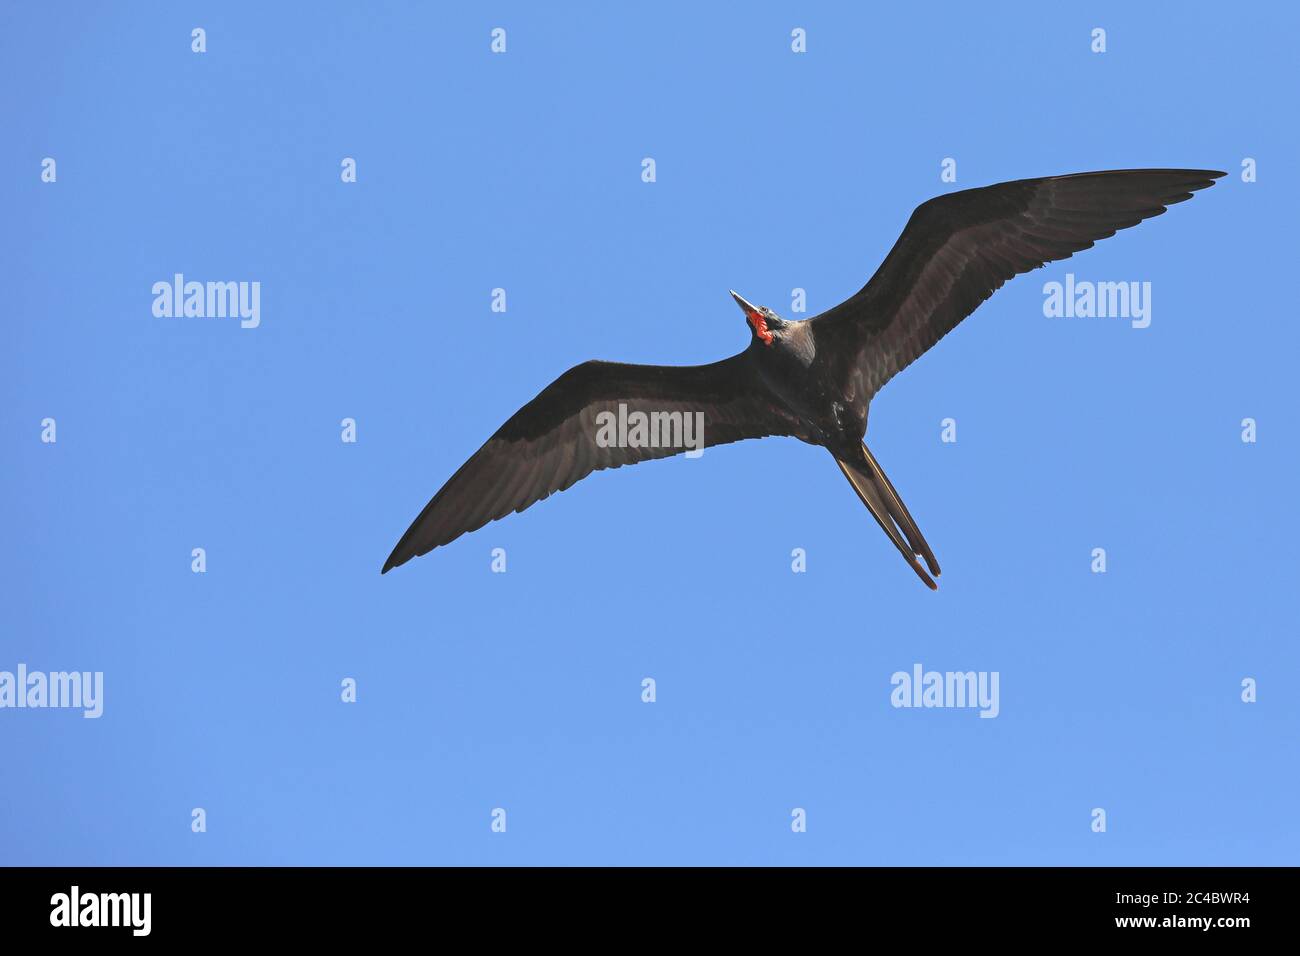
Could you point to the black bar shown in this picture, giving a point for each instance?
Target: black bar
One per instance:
(376, 904)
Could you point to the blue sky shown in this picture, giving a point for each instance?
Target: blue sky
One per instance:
(522, 690)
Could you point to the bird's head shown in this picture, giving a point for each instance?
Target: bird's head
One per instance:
(763, 322)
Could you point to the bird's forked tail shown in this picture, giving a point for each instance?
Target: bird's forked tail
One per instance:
(876, 492)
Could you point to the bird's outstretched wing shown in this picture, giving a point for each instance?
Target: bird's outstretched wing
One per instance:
(958, 249)
(555, 440)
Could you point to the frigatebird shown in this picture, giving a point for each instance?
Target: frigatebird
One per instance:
(812, 379)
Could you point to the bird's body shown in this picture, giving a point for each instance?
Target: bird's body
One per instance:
(790, 370)
(812, 379)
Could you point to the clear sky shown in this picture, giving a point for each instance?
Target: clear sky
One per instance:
(774, 171)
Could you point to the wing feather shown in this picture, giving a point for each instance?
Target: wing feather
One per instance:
(960, 248)
(551, 443)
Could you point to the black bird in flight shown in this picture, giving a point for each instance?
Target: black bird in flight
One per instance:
(811, 379)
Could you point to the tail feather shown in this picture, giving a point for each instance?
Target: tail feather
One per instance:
(904, 517)
(876, 492)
